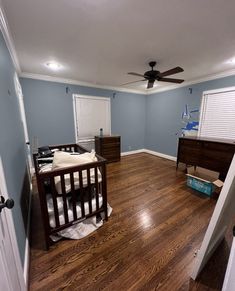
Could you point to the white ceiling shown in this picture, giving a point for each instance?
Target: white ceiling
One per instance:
(99, 41)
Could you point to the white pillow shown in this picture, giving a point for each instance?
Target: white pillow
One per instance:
(63, 159)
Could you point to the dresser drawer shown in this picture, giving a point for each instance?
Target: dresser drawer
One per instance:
(212, 154)
(108, 147)
(220, 147)
(110, 140)
(111, 146)
(190, 143)
(113, 151)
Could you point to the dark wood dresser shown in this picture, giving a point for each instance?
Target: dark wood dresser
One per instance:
(212, 154)
(108, 147)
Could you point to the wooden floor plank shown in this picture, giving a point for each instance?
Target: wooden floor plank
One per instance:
(148, 243)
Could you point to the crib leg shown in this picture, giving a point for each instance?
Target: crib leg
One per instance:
(47, 243)
(106, 213)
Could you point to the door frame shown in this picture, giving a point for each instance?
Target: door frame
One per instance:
(11, 228)
(20, 97)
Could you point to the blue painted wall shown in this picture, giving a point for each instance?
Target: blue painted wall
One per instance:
(49, 113)
(152, 121)
(164, 109)
(12, 144)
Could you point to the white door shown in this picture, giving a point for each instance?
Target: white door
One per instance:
(11, 272)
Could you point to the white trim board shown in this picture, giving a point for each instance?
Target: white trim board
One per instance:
(192, 82)
(27, 246)
(123, 154)
(160, 155)
(220, 90)
(221, 218)
(77, 82)
(168, 157)
(121, 89)
(8, 38)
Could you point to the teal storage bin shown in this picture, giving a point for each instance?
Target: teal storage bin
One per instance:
(202, 186)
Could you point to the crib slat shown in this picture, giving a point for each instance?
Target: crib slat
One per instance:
(89, 190)
(96, 189)
(104, 191)
(54, 199)
(81, 193)
(73, 196)
(64, 199)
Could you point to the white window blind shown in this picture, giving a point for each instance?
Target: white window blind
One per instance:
(217, 118)
(91, 114)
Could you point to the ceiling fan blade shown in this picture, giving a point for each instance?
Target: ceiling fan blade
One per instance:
(171, 72)
(170, 80)
(132, 82)
(150, 84)
(136, 74)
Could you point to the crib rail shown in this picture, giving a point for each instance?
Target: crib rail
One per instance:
(69, 148)
(70, 195)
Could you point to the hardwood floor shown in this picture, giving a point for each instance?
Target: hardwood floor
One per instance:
(148, 243)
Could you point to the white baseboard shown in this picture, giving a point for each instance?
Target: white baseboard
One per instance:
(132, 152)
(168, 157)
(27, 247)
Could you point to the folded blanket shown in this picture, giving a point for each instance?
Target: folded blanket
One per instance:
(63, 159)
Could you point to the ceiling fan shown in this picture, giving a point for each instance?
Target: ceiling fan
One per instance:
(153, 75)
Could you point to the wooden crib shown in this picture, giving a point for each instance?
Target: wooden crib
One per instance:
(89, 193)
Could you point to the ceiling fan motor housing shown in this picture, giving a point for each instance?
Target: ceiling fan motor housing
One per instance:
(151, 74)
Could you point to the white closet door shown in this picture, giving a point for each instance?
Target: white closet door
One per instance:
(91, 114)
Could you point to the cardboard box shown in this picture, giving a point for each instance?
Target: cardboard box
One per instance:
(203, 180)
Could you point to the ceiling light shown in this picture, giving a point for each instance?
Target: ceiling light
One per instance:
(232, 61)
(53, 66)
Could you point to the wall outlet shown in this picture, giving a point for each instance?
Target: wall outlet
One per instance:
(129, 147)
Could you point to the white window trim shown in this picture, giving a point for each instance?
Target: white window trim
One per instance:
(76, 126)
(204, 99)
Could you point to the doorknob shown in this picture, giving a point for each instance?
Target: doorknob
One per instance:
(8, 204)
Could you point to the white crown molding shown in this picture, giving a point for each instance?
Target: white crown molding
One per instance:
(75, 82)
(191, 82)
(121, 89)
(8, 38)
